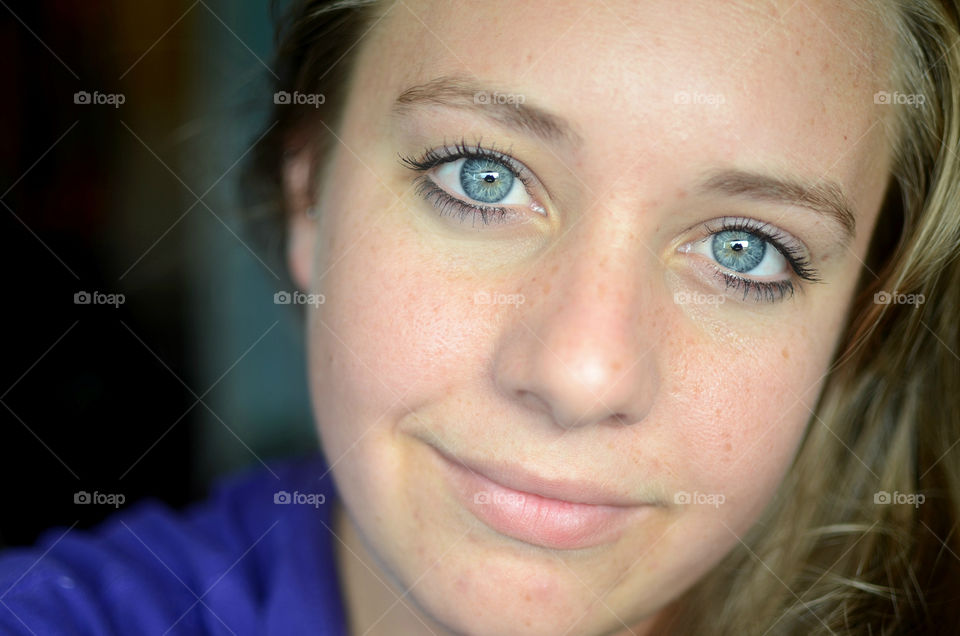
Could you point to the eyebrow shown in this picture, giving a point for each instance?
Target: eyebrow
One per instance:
(469, 95)
(823, 196)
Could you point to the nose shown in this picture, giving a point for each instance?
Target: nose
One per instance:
(582, 349)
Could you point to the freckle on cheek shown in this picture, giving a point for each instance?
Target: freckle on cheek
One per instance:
(786, 354)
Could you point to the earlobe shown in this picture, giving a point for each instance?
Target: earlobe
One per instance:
(300, 213)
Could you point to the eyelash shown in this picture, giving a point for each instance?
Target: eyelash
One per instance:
(446, 204)
(765, 291)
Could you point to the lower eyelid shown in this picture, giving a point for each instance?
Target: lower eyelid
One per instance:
(768, 291)
(450, 205)
(741, 287)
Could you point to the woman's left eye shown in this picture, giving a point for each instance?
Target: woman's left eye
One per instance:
(743, 252)
(482, 180)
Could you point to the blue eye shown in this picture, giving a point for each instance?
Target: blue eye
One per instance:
(747, 250)
(482, 180)
(738, 250)
(754, 257)
(485, 180)
(475, 183)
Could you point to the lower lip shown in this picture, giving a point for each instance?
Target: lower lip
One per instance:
(547, 523)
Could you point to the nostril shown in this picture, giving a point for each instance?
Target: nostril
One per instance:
(534, 402)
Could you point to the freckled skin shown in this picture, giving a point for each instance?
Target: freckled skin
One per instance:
(401, 352)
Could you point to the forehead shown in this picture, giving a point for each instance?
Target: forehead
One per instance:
(782, 84)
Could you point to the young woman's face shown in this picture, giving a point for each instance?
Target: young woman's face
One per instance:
(561, 372)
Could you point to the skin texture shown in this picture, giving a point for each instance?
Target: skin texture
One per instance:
(599, 376)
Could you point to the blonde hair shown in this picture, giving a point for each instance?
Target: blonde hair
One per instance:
(831, 554)
(824, 558)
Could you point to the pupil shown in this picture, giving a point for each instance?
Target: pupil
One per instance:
(489, 177)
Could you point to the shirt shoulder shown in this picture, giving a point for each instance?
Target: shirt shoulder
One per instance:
(256, 557)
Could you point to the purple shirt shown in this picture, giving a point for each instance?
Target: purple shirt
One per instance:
(237, 563)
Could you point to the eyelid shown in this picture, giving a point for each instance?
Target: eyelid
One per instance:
(433, 157)
(447, 202)
(794, 251)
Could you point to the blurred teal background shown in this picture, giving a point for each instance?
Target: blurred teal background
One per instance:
(198, 373)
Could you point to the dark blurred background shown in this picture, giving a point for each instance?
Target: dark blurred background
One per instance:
(197, 372)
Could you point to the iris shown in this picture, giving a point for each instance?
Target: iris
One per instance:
(485, 180)
(738, 250)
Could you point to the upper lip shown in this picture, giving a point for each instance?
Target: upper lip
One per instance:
(522, 480)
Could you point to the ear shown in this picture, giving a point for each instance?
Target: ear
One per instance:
(298, 175)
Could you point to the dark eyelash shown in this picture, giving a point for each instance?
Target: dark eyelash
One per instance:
(771, 291)
(447, 204)
(433, 157)
(768, 291)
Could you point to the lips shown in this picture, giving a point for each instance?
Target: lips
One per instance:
(561, 515)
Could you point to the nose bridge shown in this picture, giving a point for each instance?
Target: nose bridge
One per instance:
(592, 319)
(583, 355)
(593, 294)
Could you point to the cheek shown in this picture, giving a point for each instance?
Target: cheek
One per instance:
(739, 408)
(396, 332)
